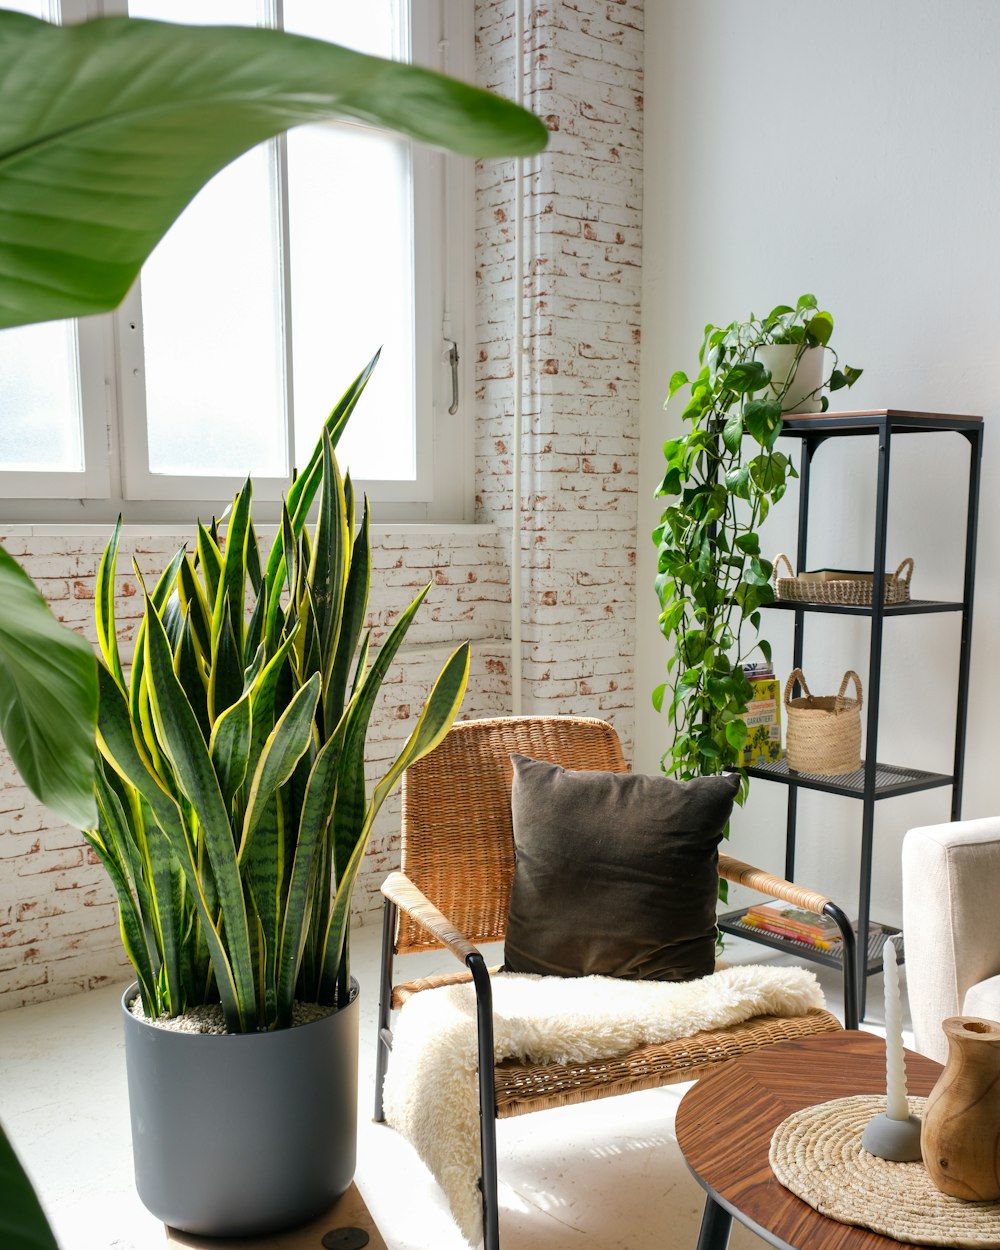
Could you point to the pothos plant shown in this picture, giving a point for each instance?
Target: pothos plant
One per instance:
(723, 475)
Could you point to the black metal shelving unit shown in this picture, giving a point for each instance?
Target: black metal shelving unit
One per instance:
(874, 780)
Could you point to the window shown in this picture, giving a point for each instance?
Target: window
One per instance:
(261, 303)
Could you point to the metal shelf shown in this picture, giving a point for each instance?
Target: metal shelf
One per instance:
(913, 607)
(732, 922)
(815, 431)
(890, 779)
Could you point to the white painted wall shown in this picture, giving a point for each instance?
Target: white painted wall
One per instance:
(852, 150)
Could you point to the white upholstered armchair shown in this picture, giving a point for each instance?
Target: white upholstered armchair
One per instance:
(951, 918)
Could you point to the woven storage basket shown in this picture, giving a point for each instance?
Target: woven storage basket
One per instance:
(840, 586)
(823, 732)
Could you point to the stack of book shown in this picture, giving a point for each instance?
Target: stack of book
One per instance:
(785, 921)
(762, 717)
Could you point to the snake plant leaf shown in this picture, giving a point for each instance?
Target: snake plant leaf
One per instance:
(230, 747)
(225, 683)
(303, 490)
(104, 606)
(285, 746)
(178, 732)
(107, 841)
(355, 609)
(209, 560)
(22, 1220)
(48, 699)
(329, 568)
(233, 574)
(131, 118)
(193, 600)
(435, 721)
(317, 809)
(349, 815)
(190, 673)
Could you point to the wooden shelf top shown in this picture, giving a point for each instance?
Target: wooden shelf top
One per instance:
(877, 416)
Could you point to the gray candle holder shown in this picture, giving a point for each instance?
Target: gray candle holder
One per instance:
(898, 1140)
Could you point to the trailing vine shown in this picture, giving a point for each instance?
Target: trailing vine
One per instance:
(723, 476)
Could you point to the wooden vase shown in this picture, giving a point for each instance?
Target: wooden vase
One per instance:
(960, 1140)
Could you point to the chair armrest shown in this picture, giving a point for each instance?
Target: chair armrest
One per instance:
(739, 873)
(951, 883)
(399, 889)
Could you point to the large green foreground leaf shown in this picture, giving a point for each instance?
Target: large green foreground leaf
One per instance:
(48, 699)
(22, 1223)
(109, 128)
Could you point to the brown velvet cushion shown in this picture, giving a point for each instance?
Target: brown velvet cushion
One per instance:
(617, 873)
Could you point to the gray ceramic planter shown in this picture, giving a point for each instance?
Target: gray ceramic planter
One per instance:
(242, 1135)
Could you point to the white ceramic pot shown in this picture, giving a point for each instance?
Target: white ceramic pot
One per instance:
(802, 380)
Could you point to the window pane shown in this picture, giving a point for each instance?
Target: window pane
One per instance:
(370, 27)
(211, 313)
(198, 12)
(40, 409)
(351, 274)
(211, 310)
(350, 220)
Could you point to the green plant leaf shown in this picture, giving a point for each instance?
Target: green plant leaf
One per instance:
(805, 301)
(677, 380)
(317, 809)
(108, 842)
(819, 328)
(104, 605)
(355, 610)
(732, 432)
(303, 490)
(746, 377)
(182, 743)
(107, 107)
(23, 1225)
(763, 420)
(48, 699)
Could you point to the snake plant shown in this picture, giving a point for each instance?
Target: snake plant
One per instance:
(233, 813)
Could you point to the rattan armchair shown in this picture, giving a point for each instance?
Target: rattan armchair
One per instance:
(453, 891)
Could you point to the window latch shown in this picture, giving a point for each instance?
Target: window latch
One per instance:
(453, 361)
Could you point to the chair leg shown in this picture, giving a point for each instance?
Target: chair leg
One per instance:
(487, 1102)
(850, 955)
(383, 1042)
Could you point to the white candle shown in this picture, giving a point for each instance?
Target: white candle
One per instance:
(897, 1108)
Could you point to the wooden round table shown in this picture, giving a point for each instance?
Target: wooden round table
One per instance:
(726, 1120)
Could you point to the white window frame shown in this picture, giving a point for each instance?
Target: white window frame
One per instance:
(117, 478)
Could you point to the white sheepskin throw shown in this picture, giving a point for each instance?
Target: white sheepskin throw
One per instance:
(431, 1092)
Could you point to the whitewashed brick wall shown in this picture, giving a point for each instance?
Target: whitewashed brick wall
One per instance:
(58, 920)
(583, 219)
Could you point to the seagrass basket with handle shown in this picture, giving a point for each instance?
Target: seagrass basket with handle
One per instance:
(823, 732)
(840, 585)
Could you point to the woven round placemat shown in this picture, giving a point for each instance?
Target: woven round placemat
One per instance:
(817, 1154)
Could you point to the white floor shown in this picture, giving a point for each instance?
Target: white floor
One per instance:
(600, 1176)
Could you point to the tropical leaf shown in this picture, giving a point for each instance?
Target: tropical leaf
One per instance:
(48, 699)
(107, 106)
(22, 1221)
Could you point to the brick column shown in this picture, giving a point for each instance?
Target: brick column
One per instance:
(581, 286)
